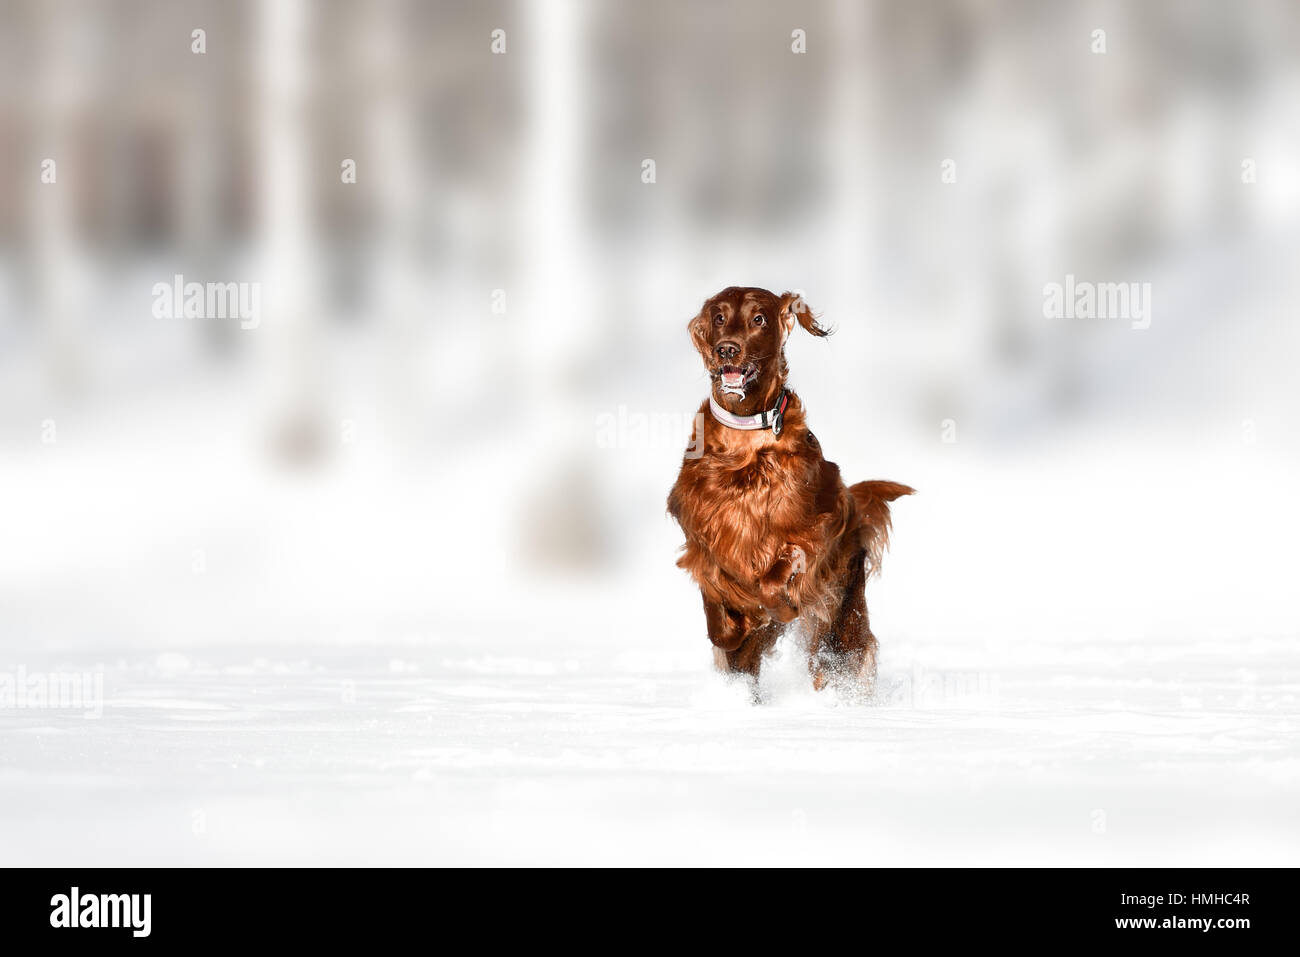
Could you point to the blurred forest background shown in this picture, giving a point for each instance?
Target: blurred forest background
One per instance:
(415, 419)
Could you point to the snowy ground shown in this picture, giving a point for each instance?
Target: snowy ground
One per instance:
(327, 756)
(1073, 671)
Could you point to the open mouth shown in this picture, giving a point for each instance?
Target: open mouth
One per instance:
(736, 379)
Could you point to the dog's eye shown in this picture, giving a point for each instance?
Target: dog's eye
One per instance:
(760, 320)
(718, 319)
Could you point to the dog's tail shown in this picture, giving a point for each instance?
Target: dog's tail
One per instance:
(873, 500)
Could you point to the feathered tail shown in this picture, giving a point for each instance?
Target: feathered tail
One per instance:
(873, 500)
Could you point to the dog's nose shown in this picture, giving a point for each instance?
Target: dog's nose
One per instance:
(727, 350)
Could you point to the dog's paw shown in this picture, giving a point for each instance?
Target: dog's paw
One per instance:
(778, 586)
(798, 562)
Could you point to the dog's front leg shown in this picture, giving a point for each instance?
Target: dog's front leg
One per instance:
(738, 645)
(776, 588)
(726, 627)
(739, 641)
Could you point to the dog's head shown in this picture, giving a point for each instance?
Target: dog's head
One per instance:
(741, 335)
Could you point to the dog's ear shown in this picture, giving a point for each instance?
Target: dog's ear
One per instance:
(794, 309)
(699, 330)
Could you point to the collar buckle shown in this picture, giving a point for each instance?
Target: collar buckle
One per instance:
(773, 418)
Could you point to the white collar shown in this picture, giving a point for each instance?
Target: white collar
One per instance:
(773, 418)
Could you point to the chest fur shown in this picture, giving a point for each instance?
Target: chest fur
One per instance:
(741, 514)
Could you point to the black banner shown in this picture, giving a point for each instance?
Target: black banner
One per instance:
(329, 907)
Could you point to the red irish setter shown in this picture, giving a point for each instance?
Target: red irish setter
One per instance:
(772, 533)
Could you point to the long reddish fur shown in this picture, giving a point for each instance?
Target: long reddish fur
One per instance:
(743, 503)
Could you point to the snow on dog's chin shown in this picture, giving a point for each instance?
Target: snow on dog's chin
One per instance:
(734, 380)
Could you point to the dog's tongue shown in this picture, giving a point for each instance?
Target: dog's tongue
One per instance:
(733, 379)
